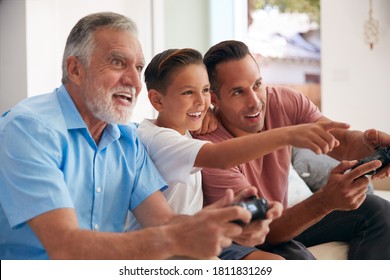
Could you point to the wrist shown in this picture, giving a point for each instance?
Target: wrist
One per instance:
(323, 205)
(172, 240)
(284, 136)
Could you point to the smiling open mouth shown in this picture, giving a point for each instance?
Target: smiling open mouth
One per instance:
(125, 97)
(253, 116)
(195, 114)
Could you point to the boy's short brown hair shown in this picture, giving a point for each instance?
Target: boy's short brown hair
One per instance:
(159, 70)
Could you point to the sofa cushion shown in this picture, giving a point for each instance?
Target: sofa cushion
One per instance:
(330, 251)
(314, 169)
(297, 188)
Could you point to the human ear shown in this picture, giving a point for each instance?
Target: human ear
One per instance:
(74, 69)
(155, 99)
(214, 99)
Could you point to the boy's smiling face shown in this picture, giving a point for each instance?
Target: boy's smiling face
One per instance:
(186, 99)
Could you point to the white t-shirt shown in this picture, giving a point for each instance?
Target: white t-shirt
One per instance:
(174, 155)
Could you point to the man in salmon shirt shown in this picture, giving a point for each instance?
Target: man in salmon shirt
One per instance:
(340, 211)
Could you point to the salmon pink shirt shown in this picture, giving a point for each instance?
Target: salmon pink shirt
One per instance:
(269, 174)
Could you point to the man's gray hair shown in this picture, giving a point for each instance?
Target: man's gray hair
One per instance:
(80, 42)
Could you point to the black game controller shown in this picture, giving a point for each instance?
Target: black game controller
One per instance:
(381, 154)
(257, 206)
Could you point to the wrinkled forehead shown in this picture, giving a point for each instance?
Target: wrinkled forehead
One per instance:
(118, 41)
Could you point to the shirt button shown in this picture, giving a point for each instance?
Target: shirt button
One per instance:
(96, 227)
(98, 189)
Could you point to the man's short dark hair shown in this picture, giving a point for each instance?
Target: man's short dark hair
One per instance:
(223, 52)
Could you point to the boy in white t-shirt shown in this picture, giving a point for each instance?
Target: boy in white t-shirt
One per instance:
(178, 88)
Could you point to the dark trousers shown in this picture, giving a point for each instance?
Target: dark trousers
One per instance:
(366, 229)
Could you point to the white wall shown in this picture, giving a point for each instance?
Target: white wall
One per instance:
(228, 20)
(13, 63)
(355, 80)
(200, 24)
(186, 24)
(279, 72)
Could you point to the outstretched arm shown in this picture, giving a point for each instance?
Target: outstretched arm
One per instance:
(232, 152)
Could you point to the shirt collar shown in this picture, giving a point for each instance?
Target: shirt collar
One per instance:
(73, 118)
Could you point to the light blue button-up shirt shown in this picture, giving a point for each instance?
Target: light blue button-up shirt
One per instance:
(49, 160)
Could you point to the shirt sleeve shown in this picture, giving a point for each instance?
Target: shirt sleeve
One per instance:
(31, 180)
(292, 105)
(147, 177)
(173, 154)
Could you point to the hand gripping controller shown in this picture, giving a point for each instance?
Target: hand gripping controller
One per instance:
(381, 154)
(257, 206)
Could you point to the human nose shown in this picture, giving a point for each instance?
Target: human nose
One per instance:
(200, 99)
(252, 99)
(132, 77)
